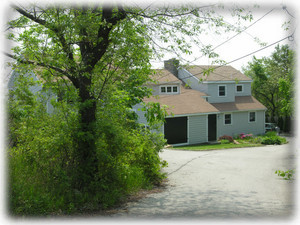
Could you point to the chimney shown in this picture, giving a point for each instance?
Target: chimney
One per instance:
(171, 65)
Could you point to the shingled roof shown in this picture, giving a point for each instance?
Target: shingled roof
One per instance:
(187, 102)
(242, 103)
(163, 76)
(217, 73)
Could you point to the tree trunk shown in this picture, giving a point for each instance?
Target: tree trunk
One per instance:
(85, 155)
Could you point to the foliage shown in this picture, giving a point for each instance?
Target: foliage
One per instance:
(96, 58)
(273, 81)
(226, 137)
(273, 140)
(287, 175)
(245, 136)
(42, 156)
(224, 141)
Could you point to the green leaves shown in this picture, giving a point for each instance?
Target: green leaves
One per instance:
(287, 175)
(273, 79)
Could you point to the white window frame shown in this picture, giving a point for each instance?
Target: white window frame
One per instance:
(236, 91)
(250, 117)
(230, 119)
(166, 88)
(219, 90)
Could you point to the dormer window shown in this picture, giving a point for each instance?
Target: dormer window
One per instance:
(222, 90)
(169, 89)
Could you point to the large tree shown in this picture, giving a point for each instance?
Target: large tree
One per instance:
(91, 47)
(273, 79)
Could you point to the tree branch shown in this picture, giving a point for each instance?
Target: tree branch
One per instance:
(29, 62)
(52, 27)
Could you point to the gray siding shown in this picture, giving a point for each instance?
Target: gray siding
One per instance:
(240, 124)
(213, 92)
(156, 88)
(197, 129)
(191, 81)
(246, 89)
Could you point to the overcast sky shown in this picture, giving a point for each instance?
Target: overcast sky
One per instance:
(267, 27)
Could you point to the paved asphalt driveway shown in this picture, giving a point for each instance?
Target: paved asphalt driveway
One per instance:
(235, 184)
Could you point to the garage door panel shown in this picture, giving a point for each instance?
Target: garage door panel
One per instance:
(175, 130)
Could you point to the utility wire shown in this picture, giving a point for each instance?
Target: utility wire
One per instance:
(237, 33)
(243, 30)
(290, 37)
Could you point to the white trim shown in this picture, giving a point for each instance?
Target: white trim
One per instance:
(222, 85)
(239, 91)
(226, 81)
(244, 110)
(169, 93)
(230, 119)
(194, 114)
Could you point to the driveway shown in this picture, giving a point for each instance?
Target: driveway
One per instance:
(235, 183)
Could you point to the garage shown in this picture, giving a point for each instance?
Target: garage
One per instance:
(175, 130)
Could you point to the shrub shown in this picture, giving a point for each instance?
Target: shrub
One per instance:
(226, 137)
(225, 141)
(42, 160)
(270, 134)
(245, 136)
(273, 140)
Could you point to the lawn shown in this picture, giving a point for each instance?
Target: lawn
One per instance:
(204, 147)
(244, 140)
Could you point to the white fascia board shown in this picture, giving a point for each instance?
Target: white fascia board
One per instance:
(194, 114)
(245, 110)
(226, 82)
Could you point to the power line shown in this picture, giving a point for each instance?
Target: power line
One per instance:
(237, 33)
(276, 42)
(243, 30)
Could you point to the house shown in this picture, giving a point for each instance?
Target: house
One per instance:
(205, 102)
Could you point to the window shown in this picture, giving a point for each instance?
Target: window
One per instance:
(227, 119)
(222, 90)
(168, 89)
(252, 116)
(239, 88)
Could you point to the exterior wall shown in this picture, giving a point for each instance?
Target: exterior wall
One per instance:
(246, 89)
(156, 88)
(213, 92)
(191, 81)
(240, 124)
(197, 129)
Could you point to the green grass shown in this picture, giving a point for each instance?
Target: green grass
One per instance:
(204, 147)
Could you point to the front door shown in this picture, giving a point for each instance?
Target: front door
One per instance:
(212, 127)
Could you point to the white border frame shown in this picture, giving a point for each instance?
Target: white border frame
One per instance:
(222, 85)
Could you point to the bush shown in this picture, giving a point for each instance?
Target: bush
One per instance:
(42, 160)
(273, 140)
(270, 134)
(245, 136)
(225, 141)
(226, 137)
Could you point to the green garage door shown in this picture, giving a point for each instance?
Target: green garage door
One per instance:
(175, 130)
